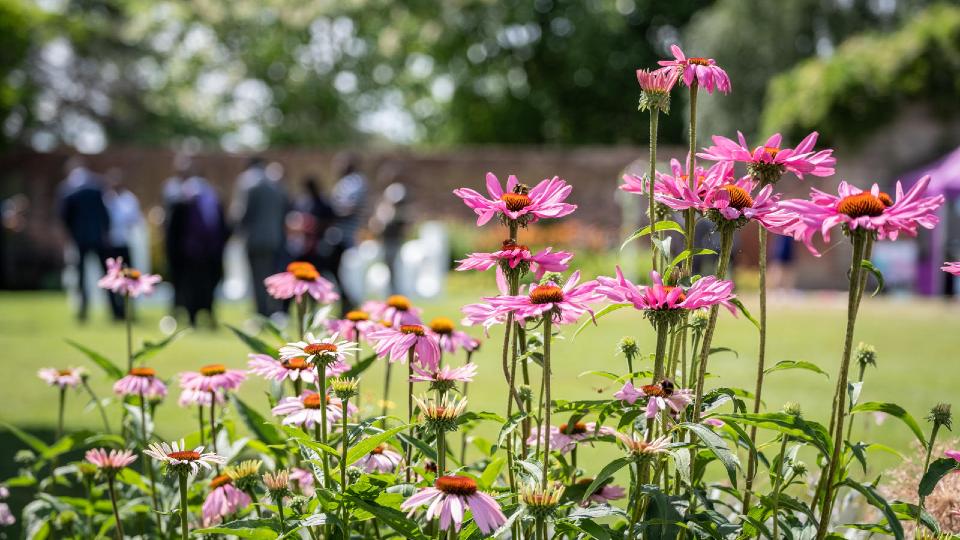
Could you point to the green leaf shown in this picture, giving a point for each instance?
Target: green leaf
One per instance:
(877, 274)
(428, 451)
(305, 439)
(509, 426)
(784, 365)
(794, 426)
(896, 411)
(105, 364)
(256, 423)
(878, 502)
(395, 519)
(937, 470)
(908, 512)
(34, 443)
(255, 344)
(255, 529)
(718, 447)
(366, 445)
(491, 472)
(608, 471)
(746, 313)
(661, 226)
(151, 348)
(360, 366)
(593, 320)
(686, 254)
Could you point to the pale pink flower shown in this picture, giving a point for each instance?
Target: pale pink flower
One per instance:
(604, 494)
(213, 377)
(304, 481)
(223, 500)
(705, 292)
(564, 438)
(951, 268)
(299, 279)
(176, 455)
(953, 454)
(327, 351)
(660, 397)
(636, 444)
(294, 369)
(714, 422)
(657, 80)
(450, 498)
(382, 459)
(304, 410)
(799, 161)
(449, 338)
(518, 202)
(110, 461)
(513, 255)
(395, 343)
(6, 516)
(191, 398)
(674, 184)
(141, 381)
(445, 376)
(704, 70)
(396, 311)
(872, 210)
(564, 304)
(127, 281)
(62, 378)
(355, 326)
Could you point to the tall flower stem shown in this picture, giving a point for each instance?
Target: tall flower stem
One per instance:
(776, 488)
(213, 421)
(926, 466)
(386, 396)
(659, 359)
(323, 423)
(113, 501)
(691, 215)
(411, 432)
(761, 360)
(202, 426)
(283, 524)
(463, 435)
(96, 400)
(441, 453)
(184, 517)
(726, 246)
(343, 468)
(301, 311)
(547, 338)
(128, 321)
(149, 466)
(859, 244)
(63, 403)
(654, 120)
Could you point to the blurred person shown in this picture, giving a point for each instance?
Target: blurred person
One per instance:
(782, 272)
(123, 208)
(308, 222)
(391, 220)
(84, 214)
(348, 200)
(259, 208)
(174, 210)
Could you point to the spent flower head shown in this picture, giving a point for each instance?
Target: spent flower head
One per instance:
(940, 416)
(866, 355)
(628, 346)
(278, 483)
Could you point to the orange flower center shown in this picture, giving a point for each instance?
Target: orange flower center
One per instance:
(312, 401)
(546, 294)
(131, 273)
(296, 363)
(386, 324)
(303, 271)
(399, 302)
(576, 429)
(739, 198)
(64, 372)
(143, 372)
(379, 449)
(357, 316)
(213, 369)
(861, 205)
(185, 455)
(697, 61)
(456, 485)
(319, 348)
(220, 480)
(510, 245)
(772, 150)
(415, 329)
(442, 325)
(668, 288)
(516, 201)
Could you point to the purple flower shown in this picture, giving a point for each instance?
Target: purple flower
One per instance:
(141, 381)
(381, 459)
(519, 203)
(705, 292)
(705, 71)
(450, 498)
(514, 255)
(395, 343)
(565, 304)
(211, 378)
(223, 500)
(299, 279)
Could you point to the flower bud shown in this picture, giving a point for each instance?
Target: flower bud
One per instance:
(866, 355)
(792, 408)
(628, 346)
(940, 415)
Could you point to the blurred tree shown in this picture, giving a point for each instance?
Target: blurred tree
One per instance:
(16, 20)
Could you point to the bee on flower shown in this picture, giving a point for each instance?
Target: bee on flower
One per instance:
(518, 203)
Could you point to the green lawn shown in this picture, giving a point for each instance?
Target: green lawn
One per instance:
(916, 340)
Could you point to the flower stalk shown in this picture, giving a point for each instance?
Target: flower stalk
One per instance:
(184, 517)
(111, 487)
(654, 236)
(547, 338)
(146, 463)
(726, 246)
(761, 360)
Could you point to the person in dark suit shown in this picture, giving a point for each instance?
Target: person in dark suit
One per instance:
(86, 219)
(349, 201)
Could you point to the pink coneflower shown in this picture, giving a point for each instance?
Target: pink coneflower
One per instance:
(951, 268)
(705, 292)
(513, 255)
(294, 369)
(110, 461)
(141, 381)
(713, 422)
(485, 314)
(304, 410)
(395, 311)
(192, 398)
(177, 456)
(519, 203)
(953, 454)
(450, 497)
(449, 338)
(604, 494)
(62, 378)
(872, 210)
(637, 445)
(299, 279)
(445, 378)
(565, 437)
(6, 516)
(212, 377)
(660, 397)
(768, 162)
(674, 184)
(354, 326)
(127, 281)
(657, 80)
(382, 459)
(565, 304)
(394, 343)
(303, 480)
(223, 500)
(705, 70)
(326, 351)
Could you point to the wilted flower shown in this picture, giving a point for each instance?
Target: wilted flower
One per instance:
(705, 71)
(212, 378)
(62, 378)
(519, 203)
(866, 355)
(656, 86)
(141, 381)
(299, 279)
(223, 500)
(449, 497)
(940, 415)
(177, 458)
(127, 281)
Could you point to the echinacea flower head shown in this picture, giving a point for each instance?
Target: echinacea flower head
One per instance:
(344, 387)
(141, 381)
(193, 398)
(178, 459)
(246, 474)
(296, 368)
(325, 351)
(518, 203)
(450, 498)
(636, 445)
(304, 410)
(605, 493)
(704, 71)
(300, 278)
(539, 501)
(767, 163)
(6, 516)
(303, 481)
(127, 281)
(382, 459)
(514, 257)
(655, 86)
(445, 378)
(278, 483)
(212, 378)
(224, 500)
(354, 326)
(940, 415)
(449, 338)
(110, 461)
(397, 310)
(676, 182)
(664, 396)
(667, 302)
(395, 343)
(62, 378)
(441, 415)
(854, 209)
(566, 436)
(565, 304)
(951, 268)
(866, 355)
(953, 454)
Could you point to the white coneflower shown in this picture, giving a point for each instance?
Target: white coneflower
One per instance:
(318, 351)
(177, 458)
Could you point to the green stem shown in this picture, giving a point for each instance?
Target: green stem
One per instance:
(776, 488)
(411, 432)
(386, 396)
(213, 421)
(128, 320)
(184, 521)
(691, 215)
(663, 332)
(343, 469)
(202, 426)
(637, 501)
(441, 454)
(859, 241)
(926, 466)
(463, 434)
(323, 423)
(283, 523)
(148, 465)
(654, 120)
(301, 310)
(726, 245)
(103, 412)
(547, 338)
(113, 501)
(761, 359)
